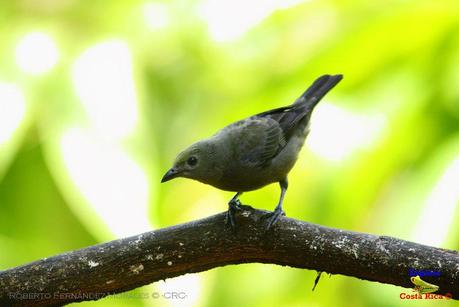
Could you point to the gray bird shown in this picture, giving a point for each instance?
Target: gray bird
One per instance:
(253, 152)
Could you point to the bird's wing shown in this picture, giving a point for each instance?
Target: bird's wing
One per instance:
(257, 140)
(287, 117)
(262, 136)
(295, 117)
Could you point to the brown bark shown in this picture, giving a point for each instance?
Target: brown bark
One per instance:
(125, 264)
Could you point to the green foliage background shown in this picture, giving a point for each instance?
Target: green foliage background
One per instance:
(400, 60)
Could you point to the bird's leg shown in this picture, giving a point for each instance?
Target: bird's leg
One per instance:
(233, 206)
(278, 212)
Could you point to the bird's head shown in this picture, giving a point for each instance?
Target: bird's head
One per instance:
(196, 162)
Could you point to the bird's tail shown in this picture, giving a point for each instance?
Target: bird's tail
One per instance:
(318, 89)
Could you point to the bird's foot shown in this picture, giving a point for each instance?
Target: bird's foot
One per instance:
(273, 217)
(234, 205)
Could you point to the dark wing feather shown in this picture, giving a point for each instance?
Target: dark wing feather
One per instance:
(296, 116)
(287, 118)
(264, 135)
(258, 140)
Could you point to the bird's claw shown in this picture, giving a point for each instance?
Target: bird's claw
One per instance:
(234, 205)
(273, 217)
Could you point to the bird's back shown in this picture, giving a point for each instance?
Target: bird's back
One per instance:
(263, 148)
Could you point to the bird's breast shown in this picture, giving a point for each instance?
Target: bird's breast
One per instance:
(241, 178)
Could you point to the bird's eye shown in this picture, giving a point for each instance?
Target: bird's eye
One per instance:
(192, 161)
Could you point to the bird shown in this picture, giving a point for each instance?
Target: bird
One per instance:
(253, 152)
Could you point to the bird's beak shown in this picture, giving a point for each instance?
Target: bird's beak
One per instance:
(171, 174)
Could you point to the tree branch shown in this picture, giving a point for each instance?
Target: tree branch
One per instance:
(125, 264)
